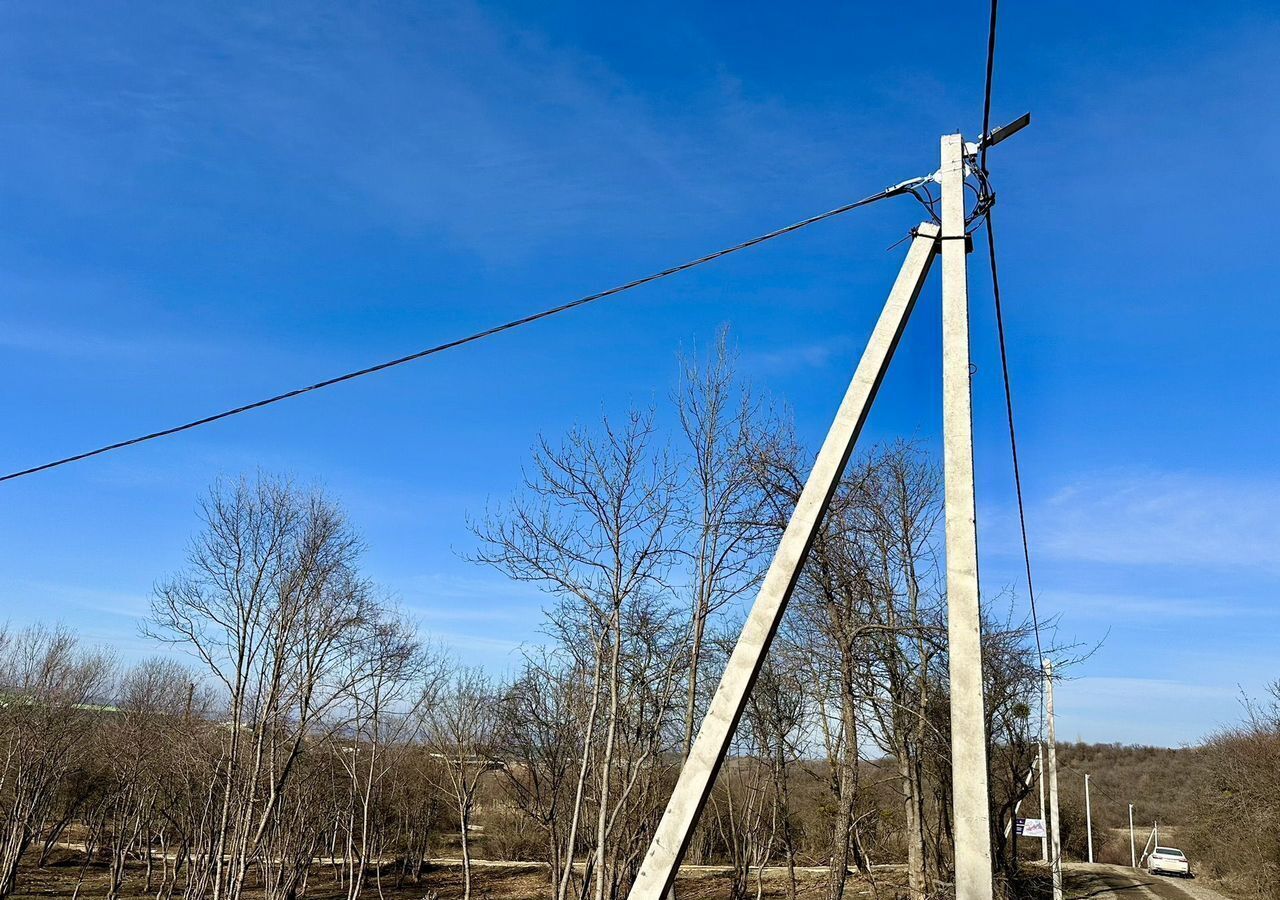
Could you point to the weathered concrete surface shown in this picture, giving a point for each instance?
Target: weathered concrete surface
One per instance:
(970, 796)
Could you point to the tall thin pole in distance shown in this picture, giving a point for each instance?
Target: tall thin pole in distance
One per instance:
(1044, 816)
(1133, 848)
(1055, 834)
(1088, 816)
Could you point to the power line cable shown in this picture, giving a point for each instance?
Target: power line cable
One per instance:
(1013, 433)
(1093, 783)
(986, 92)
(903, 188)
(999, 310)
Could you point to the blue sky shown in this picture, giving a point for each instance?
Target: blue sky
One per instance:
(206, 203)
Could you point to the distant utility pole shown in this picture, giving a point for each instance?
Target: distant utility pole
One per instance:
(1009, 827)
(1149, 845)
(1133, 848)
(1044, 816)
(1055, 835)
(1088, 816)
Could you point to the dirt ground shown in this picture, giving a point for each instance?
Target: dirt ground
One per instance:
(528, 881)
(491, 881)
(1098, 881)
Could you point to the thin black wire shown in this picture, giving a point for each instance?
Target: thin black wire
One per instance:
(479, 335)
(988, 196)
(1093, 784)
(1013, 433)
(986, 98)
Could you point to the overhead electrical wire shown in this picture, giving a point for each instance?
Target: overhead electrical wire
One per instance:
(986, 201)
(904, 188)
(986, 92)
(1013, 435)
(1093, 784)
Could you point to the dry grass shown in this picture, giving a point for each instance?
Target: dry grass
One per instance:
(490, 882)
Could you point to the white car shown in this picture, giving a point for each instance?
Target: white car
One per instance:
(1168, 861)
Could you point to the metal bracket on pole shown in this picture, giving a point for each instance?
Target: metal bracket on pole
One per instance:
(658, 869)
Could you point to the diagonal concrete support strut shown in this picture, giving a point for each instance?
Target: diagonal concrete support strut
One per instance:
(658, 869)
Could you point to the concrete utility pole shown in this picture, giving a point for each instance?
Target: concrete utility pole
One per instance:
(1055, 835)
(1088, 816)
(1044, 816)
(658, 870)
(1133, 848)
(968, 722)
(969, 741)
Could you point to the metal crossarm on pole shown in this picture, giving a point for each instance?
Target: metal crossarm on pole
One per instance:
(658, 870)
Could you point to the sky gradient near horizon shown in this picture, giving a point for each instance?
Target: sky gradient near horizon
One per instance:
(206, 204)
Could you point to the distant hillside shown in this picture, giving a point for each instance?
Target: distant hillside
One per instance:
(1159, 782)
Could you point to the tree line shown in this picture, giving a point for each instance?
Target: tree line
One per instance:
(301, 728)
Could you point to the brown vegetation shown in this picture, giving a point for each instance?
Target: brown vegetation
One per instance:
(318, 747)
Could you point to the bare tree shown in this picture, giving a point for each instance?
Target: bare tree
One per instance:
(542, 715)
(595, 528)
(52, 691)
(375, 719)
(272, 605)
(461, 728)
(777, 713)
(831, 611)
(721, 425)
(1240, 799)
(152, 694)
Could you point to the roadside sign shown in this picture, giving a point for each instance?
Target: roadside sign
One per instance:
(1031, 828)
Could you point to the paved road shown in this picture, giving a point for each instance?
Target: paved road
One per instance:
(1084, 881)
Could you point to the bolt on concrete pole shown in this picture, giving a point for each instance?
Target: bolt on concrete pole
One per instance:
(1055, 835)
(1133, 848)
(658, 870)
(968, 721)
(1088, 816)
(1044, 816)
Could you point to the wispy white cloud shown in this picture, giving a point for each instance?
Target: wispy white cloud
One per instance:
(478, 612)
(45, 598)
(66, 342)
(797, 357)
(1108, 691)
(1140, 710)
(1118, 605)
(504, 146)
(1166, 519)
